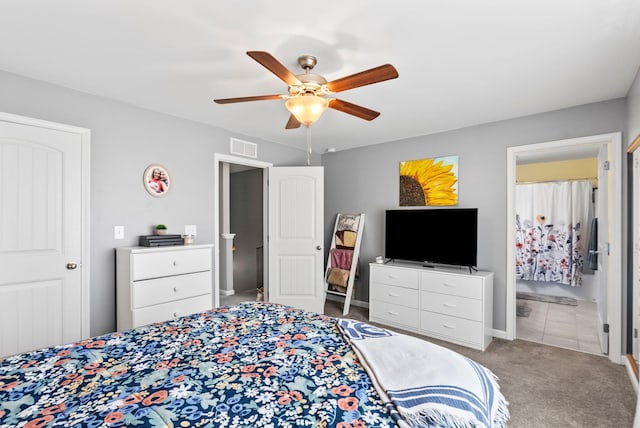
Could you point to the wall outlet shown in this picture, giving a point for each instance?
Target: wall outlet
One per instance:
(118, 232)
(190, 229)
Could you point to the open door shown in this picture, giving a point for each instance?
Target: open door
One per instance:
(602, 274)
(296, 236)
(634, 225)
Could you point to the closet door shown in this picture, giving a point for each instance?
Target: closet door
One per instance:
(44, 300)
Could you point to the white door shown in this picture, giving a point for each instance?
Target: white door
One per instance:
(296, 236)
(635, 226)
(602, 274)
(44, 300)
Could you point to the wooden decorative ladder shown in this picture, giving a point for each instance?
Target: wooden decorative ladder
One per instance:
(331, 288)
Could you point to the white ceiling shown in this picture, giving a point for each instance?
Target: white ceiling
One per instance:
(461, 62)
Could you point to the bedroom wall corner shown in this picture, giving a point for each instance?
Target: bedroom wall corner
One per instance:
(366, 179)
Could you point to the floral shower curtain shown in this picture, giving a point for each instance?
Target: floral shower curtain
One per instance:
(552, 227)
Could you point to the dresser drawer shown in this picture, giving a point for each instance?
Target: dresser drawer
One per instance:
(457, 285)
(169, 310)
(455, 306)
(396, 314)
(397, 295)
(402, 277)
(166, 263)
(160, 290)
(452, 327)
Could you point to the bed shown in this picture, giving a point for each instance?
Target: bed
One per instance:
(251, 365)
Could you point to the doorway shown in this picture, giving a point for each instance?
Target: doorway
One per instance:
(246, 227)
(293, 218)
(609, 147)
(223, 242)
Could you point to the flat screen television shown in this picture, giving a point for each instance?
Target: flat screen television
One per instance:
(446, 236)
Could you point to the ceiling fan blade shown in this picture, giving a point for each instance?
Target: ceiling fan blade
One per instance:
(292, 123)
(367, 77)
(353, 109)
(244, 99)
(269, 62)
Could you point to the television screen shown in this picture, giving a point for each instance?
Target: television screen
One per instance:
(442, 236)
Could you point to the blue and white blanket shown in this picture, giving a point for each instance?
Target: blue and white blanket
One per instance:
(427, 385)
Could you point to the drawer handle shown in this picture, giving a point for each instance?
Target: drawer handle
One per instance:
(393, 294)
(392, 313)
(447, 284)
(448, 325)
(175, 315)
(449, 305)
(175, 289)
(393, 276)
(175, 263)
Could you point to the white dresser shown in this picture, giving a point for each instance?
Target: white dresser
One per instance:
(156, 284)
(445, 303)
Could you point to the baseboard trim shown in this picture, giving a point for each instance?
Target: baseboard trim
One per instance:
(602, 336)
(499, 334)
(227, 292)
(632, 371)
(354, 302)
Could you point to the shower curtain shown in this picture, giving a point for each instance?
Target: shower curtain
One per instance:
(552, 227)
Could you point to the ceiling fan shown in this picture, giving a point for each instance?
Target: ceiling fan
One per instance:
(307, 92)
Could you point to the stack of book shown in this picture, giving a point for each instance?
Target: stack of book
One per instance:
(160, 240)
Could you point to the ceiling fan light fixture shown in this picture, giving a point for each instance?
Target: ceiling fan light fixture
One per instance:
(307, 108)
(306, 98)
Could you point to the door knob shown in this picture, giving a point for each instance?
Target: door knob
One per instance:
(72, 265)
(318, 248)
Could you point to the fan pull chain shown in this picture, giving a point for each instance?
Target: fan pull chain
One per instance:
(308, 146)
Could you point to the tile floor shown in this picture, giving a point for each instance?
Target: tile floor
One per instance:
(571, 327)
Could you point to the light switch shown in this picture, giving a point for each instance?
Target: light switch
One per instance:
(190, 229)
(118, 232)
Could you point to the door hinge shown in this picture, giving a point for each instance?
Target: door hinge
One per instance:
(635, 163)
(605, 328)
(608, 248)
(635, 333)
(606, 165)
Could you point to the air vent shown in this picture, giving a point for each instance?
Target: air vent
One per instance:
(244, 148)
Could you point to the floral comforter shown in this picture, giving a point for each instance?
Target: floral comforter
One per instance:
(251, 365)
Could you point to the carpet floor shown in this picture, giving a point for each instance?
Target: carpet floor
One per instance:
(547, 386)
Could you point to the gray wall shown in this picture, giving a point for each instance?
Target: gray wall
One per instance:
(633, 111)
(245, 191)
(124, 140)
(366, 179)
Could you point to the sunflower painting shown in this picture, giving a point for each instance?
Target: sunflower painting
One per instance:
(429, 182)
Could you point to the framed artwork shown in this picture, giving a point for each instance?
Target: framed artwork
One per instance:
(429, 182)
(156, 180)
